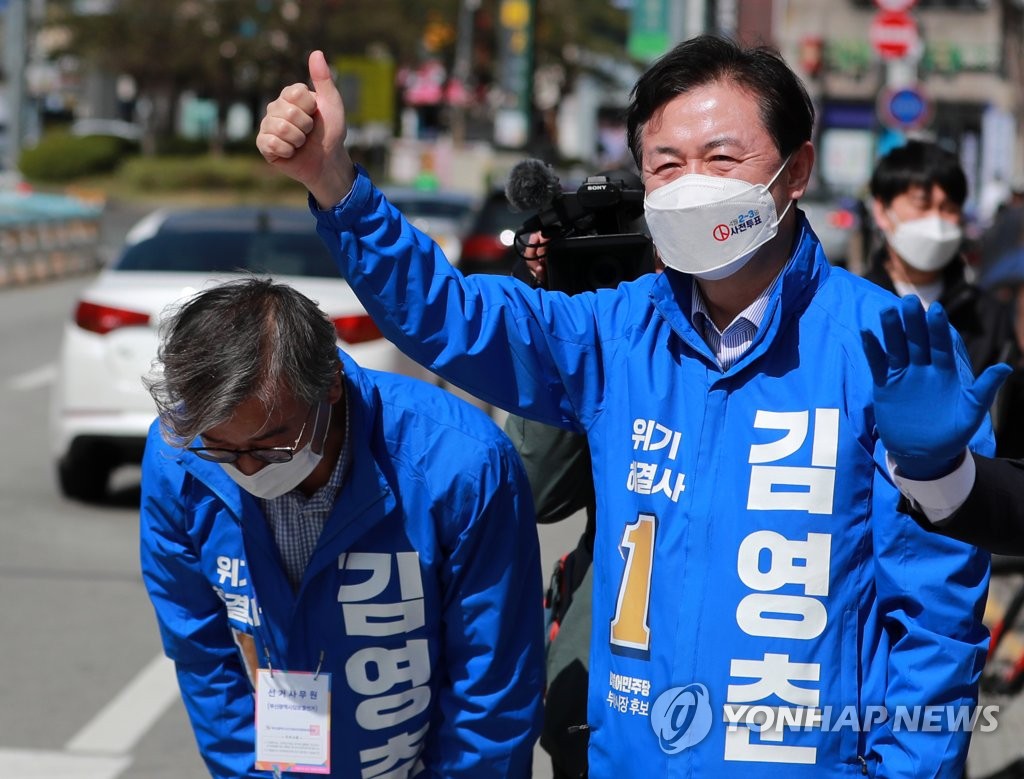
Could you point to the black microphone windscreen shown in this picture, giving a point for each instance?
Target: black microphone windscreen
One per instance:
(531, 186)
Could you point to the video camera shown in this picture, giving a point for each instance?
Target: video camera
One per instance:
(595, 236)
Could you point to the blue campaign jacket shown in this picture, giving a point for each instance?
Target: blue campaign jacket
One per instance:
(750, 564)
(423, 594)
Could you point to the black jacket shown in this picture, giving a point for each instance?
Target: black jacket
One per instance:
(985, 324)
(993, 515)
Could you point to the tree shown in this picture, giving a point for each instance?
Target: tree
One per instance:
(245, 50)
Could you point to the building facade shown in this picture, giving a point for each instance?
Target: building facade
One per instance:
(958, 83)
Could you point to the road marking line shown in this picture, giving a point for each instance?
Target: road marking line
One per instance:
(35, 379)
(134, 710)
(30, 764)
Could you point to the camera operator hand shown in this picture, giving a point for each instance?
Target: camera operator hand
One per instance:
(303, 135)
(534, 258)
(534, 261)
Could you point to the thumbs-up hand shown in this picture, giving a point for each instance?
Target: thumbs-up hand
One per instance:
(303, 135)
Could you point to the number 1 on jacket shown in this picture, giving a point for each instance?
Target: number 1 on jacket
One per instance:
(630, 628)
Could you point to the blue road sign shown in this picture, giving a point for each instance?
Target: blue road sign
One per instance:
(906, 108)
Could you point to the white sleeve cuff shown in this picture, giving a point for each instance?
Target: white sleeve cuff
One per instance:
(939, 498)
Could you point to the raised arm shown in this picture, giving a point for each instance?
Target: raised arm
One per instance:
(303, 135)
(926, 413)
(932, 590)
(926, 410)
(525, 350)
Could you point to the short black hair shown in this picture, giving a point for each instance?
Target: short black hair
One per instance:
(785, 107)
(918, 164)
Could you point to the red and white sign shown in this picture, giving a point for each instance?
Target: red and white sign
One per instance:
(893, 34)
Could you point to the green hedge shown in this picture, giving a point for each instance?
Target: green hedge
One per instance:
(59, 157)
(169, 174)
(177, 146)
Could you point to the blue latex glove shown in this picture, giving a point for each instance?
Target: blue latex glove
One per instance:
(925, 414)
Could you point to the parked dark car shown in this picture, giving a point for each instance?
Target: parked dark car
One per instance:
(487, 244)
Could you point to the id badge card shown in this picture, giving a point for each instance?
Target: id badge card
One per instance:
(293, 722)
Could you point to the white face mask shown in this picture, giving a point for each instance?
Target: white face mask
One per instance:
(710, 226)
(275, 479)
(928, 243)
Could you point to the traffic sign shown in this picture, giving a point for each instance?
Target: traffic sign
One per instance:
(893, 34)
(906, 108)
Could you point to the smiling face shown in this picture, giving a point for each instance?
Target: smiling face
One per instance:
(716, 130)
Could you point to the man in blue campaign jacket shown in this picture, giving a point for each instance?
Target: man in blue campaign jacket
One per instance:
(341, 554)
(759, 606)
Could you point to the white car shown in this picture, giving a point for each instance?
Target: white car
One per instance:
(101, 410)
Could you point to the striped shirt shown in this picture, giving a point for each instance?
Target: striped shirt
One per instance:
(297, 521)
(730, 344)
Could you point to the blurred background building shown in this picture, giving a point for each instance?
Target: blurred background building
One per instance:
(879, 71)
(544, 77)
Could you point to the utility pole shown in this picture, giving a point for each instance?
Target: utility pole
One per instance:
(15, 40)
(462, 71)
(513, 120)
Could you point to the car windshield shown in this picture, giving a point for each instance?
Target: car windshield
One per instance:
(282, 253)
(431, 208)
(497, 215)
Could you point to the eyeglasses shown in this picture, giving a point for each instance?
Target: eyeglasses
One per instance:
(270, 454)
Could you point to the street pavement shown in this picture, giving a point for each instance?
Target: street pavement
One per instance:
(994, 751)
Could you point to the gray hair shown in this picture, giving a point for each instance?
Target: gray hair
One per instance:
(251, 338)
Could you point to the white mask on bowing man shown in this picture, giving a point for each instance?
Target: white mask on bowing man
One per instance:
(284, 430)
(276, 479)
